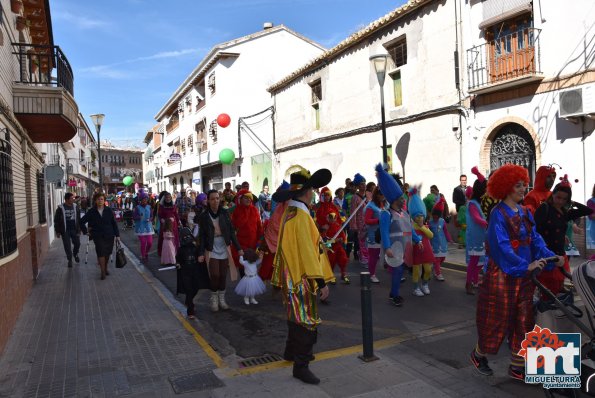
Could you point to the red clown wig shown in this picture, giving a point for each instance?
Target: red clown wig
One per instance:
(501, 183)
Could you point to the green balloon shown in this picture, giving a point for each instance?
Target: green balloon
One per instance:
(128, 180)
(226, 156)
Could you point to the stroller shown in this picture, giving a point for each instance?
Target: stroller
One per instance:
(127, 217)
(566, 313)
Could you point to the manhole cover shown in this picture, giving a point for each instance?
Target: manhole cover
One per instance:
(195, 382)
(261, 360)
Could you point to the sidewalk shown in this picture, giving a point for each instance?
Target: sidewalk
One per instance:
(136, 344)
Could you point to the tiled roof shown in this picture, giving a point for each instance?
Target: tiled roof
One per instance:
(350, 41)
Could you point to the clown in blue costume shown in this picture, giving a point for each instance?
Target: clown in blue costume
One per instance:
(143, 224)
(515, 249)
(396, 232)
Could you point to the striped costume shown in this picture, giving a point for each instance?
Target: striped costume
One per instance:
(505, 306)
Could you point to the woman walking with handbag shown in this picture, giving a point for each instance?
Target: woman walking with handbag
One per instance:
(102, 228)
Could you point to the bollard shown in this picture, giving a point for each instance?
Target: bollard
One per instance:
(366, 303)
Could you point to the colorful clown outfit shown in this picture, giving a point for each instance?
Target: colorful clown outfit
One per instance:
(423, 256)
(300, 269)
(506, 295)
(396, 232)
(439, 229)
(505, 303)
(143, 227)
(476, 232)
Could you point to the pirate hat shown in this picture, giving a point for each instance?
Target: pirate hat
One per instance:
(300, 180)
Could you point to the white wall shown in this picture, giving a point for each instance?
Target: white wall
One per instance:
(241, 84)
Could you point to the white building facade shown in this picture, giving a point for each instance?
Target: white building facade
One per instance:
(501, 105)
(232, 79)
(328, 112)
(531, 83)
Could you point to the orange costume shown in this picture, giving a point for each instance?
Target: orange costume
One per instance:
(336, 254)
(247, 224)
(540, 192)
(324, 207)
(268, 244)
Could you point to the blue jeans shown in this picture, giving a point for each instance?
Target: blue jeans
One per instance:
(395, 286)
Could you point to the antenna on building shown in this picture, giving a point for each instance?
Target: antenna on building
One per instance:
(267, 25)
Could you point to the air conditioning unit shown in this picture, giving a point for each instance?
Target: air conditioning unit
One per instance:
(578, 101)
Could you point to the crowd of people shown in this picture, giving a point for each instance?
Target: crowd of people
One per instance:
(296, 238)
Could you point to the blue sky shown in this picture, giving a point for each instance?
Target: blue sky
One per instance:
(129, 56)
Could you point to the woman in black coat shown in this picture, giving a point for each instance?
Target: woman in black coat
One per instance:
(102, 228)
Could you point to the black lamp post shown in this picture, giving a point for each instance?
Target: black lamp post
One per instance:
(379, 61)
(98, 121)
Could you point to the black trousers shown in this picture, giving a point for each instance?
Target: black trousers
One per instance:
(69, 238)
(299, 344)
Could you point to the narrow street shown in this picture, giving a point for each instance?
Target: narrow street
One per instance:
(440, 326)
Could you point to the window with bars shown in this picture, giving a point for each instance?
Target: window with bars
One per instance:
(316, 92)
(398, 51)
(201, 134)
(316, 87)
(183, 145)
(211, 83)
(41, 212)
(190, 144)
(8, 225)
(213, 130)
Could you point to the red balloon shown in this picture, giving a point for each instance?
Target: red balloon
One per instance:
(223, 120)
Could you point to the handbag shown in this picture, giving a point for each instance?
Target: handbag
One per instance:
(121, 259)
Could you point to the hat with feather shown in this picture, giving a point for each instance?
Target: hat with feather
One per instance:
(300, 180)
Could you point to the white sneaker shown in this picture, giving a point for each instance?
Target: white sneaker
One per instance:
(247, 300)
(374, 279)
(417, 292)
(425, 288)
(439, 277)
(253, 300)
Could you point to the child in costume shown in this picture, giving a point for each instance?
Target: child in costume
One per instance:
(423, 256)
(250, 285)
(194, 276)
(476, 232)
(462, 218)
(395, 231)
(336, 254)
(168, 248)
(372, 219)
(441, 238)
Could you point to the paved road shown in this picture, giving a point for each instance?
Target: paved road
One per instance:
(441, 325)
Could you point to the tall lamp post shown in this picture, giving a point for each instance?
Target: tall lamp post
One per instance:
(379, 61)
(98, 121)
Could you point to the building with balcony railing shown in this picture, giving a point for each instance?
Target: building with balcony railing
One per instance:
(522, 57)
(38, 113)
(232, 79)
(119, 162)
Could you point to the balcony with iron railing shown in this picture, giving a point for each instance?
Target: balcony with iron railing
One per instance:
(506, 61)
(43, 93)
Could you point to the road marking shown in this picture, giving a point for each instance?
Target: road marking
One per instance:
(356, 349)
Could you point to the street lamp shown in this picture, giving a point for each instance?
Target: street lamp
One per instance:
(379, 61)
(98, 121)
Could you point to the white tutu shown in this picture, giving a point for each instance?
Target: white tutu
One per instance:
(250, 286)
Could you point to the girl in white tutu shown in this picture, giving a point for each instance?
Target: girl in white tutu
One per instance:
(250, 285)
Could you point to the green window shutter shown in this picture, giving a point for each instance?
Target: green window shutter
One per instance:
(397, 88)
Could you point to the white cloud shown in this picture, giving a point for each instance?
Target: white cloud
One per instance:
(110, 71)
(79, 21)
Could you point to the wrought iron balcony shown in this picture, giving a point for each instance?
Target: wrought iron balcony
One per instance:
(506, 61)
(43, 93)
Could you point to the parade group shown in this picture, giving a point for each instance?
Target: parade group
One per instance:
(296, 237)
